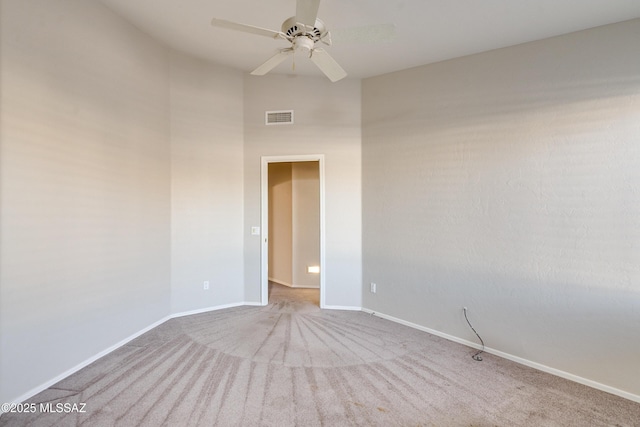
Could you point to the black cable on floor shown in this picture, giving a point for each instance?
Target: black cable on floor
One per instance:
(477, 355)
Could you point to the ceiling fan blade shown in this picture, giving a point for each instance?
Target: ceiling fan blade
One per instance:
(246, 28)
(272, 62)
(328, 65)
(307, 12)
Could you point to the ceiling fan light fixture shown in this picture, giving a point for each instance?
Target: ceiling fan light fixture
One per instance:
(304, 43)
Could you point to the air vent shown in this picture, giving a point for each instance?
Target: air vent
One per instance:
(279, 117)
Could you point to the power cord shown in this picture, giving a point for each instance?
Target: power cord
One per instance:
(476, 356)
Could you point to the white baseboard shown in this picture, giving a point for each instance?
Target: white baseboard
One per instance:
(342, 307)
(280, 282)
(42, 387)
(535, 365)
(520, 360)
(289, 285)
(254, 304)
(206, 310)
(116, 346)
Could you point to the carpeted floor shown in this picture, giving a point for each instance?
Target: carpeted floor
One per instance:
(290, 363)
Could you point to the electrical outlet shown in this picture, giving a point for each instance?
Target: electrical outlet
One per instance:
(205, 286)
(373, 288)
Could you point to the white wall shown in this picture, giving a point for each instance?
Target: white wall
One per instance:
(121, 192)
(507, 182)
(85, 191)
(206, 184)
(327, 121)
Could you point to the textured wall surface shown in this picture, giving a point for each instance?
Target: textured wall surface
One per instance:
(327, 121)
(508, 182)
(85, 189)
(206, 184)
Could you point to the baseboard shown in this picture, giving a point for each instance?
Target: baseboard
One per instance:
(342, 307)
(289, 285)
(206, 310)
(520, 360)
(254, 304)
(280, 282)
(116, 346)
(535, 365)
(42, 387)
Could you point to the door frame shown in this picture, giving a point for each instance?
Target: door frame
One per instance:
(264, 219)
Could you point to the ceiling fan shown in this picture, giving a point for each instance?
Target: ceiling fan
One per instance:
(303, 31)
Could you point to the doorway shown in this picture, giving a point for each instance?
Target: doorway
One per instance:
(295, 256)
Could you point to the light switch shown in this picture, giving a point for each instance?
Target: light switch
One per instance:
(255, 231)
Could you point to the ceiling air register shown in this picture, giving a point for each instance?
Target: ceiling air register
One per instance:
(283, 117)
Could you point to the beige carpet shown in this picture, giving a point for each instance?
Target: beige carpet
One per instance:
(290, 363)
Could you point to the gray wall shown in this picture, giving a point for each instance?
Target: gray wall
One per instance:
(507, 182)
(121, 186)
(85, 190)
(327, 121)
(206, 184)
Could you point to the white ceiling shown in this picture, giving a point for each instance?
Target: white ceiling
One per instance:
(426, 31)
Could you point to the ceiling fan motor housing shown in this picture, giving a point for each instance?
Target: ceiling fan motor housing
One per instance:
(294, 29)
